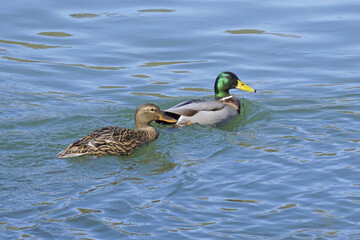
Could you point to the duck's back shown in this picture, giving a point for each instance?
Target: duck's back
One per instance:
(215, 113)
(108, 140)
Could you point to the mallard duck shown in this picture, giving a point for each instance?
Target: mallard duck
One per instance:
(217, 113)
(119, 141)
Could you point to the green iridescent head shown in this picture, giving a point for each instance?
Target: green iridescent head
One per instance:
(226, 81)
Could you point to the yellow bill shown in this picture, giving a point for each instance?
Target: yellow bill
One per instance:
(242, 86)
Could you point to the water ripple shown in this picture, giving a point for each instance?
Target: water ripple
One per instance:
(286, 168)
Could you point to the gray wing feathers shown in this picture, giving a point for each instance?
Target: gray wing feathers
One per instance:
(192, 107)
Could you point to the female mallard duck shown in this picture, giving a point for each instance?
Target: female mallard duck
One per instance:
(217, 113)
(119, 141)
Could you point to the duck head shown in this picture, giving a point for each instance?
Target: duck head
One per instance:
(226, 81)
(148, 112)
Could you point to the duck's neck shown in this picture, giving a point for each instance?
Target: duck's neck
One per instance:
(149, 132)
(220, 88)
(221, 94)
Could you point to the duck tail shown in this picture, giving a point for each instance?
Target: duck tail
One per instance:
(66, 154)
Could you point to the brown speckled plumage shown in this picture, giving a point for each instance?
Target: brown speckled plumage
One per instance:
(116, 140)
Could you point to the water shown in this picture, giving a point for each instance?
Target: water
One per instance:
(287, 168)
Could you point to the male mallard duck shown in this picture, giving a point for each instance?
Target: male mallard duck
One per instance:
(119, 141)
(217, 113)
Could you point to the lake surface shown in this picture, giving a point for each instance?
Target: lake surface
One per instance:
(287, 168)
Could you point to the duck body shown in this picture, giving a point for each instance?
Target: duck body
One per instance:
(109, 141)
(116, 140)
(214, 113)
(219, 112)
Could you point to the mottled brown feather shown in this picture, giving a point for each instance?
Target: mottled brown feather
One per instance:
(119, 141)
(108, 140)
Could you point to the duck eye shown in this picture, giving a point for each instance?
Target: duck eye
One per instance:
(152, 109)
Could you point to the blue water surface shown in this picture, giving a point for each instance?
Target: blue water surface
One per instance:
(286, 168)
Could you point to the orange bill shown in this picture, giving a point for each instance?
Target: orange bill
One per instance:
(166, 118)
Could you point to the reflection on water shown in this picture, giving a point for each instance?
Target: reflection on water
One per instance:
(55, 34)
(254, 31)
(84, 15)
(30, 45)
(196, 89)
(112, 87)
(161, 83)
(141, 76)
(65, 64)
(159, 95)
(286, 168)
(181, 71)
(156, 64)
(156, 10)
